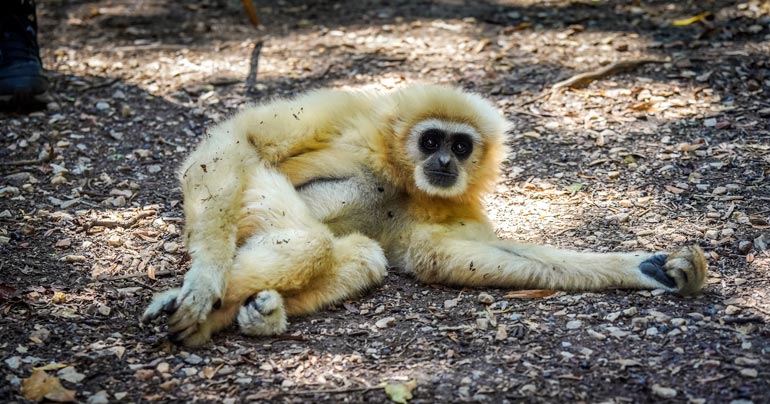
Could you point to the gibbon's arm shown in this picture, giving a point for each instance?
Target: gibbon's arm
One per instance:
(471, 255)
(213, 178)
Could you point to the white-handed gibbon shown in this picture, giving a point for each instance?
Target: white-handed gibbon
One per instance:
(300, 203)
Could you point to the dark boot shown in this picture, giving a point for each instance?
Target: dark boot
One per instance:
(22, 80)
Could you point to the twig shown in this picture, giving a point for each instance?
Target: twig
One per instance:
(103, 84)
(288, 338)
(251, 11)
(583, 79)
(118, 223)
(538, 98)
(136, 275)
(30, 162)
(144, 285)
(251, 79)
(532, 114)
(262, 396)
(743, 320)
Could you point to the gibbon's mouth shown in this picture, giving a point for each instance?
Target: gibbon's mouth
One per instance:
(441, 178)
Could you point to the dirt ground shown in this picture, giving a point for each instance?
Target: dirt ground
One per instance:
(663, 154)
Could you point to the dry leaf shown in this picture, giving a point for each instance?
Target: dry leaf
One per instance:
(151, 272)
(530, 294)
(41, 386)
(673, 189)
(401, 392)
(481, 45)
(210, 371)
(54, 366)
(687, 21)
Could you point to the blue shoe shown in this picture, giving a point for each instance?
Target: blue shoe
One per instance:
(22, 80)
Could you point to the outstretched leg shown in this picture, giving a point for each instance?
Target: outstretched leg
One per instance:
(438, 254)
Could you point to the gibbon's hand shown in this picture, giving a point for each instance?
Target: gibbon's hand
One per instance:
(202, 290)
(189, 306)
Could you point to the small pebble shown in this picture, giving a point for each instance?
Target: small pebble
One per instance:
(385, 322)
(744, 246)
(664, 392)
(193, 359)
(486, 298)
(574, 324)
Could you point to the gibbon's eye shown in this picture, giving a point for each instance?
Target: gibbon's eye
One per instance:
(462, 147)
(431, 140)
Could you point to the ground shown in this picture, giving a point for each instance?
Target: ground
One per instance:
(659, 155)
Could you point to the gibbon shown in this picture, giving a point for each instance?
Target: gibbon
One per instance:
(300, 203)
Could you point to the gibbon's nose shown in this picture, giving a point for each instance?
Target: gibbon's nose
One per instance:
(444, 160)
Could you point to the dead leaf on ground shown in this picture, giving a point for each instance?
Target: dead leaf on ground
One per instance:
(41, 386)
(53, 366)
(400, 392)
(673, 189)
(687, 21)
(529, 294)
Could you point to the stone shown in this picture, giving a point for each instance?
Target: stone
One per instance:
(664, 392)
(574, 324)
(193, 359)
(99, 398)
(486, 298)
(744, 246)
(385, 322)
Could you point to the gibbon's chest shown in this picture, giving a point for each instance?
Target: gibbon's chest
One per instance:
(359, 203)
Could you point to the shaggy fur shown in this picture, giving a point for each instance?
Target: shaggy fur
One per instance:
(300, 203)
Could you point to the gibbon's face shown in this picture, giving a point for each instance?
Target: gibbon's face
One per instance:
(442, 151)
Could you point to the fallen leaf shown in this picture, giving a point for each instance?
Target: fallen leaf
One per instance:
(575, 188)
(401, 392)
(59, 297)
(687, 21)
(530, 294)
(41, 386)
(53, 366)
(7, 292)
(673, 189)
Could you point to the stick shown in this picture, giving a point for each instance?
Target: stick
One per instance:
(251, 79)
(262, 396)
(251, 11)
(136, 275)
(118, 223)
(583, 79)
(29, 162)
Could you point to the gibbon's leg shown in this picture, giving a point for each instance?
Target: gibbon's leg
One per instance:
(287, 252)
(349, 266)
(215, 174)
(446, 254)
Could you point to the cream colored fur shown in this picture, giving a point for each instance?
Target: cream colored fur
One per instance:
(295, 204)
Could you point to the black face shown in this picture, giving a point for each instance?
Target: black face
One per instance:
(444, 153)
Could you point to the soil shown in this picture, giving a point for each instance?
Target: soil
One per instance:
(651, 157)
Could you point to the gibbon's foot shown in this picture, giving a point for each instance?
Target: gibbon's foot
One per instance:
(263, 314)
(683, 271)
